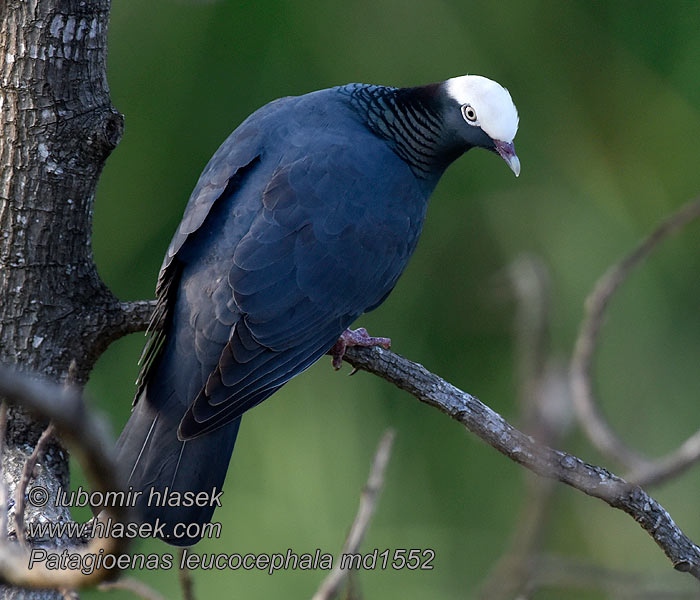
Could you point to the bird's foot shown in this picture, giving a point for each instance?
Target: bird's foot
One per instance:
(355, 337)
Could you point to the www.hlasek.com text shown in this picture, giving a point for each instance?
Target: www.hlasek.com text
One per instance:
(396, 559)
(97, 528)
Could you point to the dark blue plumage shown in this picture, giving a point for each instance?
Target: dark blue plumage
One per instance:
(303, 219)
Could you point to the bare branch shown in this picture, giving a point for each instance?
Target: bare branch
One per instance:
(129, 584)
(530, 283)
(670, 465)
(136, 315)
(368, 503)
(31, 462)
(557, 572)
(498, 433)
(186, 583)
(118, 319)
(643, 470)
(545, 413)
(87, 436)
(27, 474)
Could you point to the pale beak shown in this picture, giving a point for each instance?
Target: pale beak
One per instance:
(507, 152)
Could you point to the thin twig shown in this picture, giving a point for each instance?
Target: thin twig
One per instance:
(33, 459)
(544, 413)
(129, 584)
(87, 436)
(556, 572)
(531, 285)
(543, 460)
(27, 474)
(368, 503)
(185, 577)
(666, 467)
(642, 470)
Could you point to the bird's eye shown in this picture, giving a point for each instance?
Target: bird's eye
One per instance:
(468, 113)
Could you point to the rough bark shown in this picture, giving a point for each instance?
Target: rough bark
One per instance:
(57, 127)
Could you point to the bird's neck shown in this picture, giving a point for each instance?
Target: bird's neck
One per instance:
(410, 122)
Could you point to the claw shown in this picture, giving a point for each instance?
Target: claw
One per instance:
(355, 337)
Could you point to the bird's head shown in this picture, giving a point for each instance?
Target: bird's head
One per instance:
(480, 113)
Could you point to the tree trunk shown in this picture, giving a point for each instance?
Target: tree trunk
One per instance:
(57, 127)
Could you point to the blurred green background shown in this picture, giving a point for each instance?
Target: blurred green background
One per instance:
(609, 101)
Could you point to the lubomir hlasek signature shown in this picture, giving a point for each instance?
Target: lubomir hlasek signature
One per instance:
(130, 497)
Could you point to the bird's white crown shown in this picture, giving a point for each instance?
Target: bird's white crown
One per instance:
(494, 107)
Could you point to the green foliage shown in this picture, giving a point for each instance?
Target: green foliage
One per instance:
(609, 100)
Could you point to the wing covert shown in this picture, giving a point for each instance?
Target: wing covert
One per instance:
(315, 257)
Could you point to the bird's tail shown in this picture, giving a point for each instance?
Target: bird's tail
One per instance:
(180, 481)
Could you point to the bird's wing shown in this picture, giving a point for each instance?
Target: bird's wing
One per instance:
(229, 165)
(224, 171)
(328, 242)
